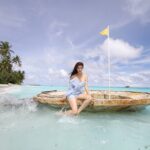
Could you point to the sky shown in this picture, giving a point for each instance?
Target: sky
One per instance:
(50, 36)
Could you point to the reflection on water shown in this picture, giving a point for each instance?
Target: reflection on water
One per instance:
(26, 125)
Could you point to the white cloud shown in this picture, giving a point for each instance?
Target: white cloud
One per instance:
(55, 64)
(57, 73)
(143, 60)
(137, 79)
(56, 29)
(64, 38)
(63, 73)
(132, 10)
(139, 9)
(120, 49)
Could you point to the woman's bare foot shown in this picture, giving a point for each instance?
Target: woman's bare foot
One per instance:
(71, 113)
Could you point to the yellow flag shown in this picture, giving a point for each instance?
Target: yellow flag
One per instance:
(105, 32)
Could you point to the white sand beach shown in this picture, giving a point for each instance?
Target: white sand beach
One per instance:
(4, 88)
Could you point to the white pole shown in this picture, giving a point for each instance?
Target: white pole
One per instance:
(108, 62)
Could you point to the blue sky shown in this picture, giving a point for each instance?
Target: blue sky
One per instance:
(50, 36)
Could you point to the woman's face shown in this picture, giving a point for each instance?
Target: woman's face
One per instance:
(79, 69)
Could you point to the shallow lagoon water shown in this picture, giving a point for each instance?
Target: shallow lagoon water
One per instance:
(26, 125)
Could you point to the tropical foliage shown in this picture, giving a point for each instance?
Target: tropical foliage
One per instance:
(8, 59)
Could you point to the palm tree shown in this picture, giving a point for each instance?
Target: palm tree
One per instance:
(16, 60)
(5, 49)
(5, 52)
(7, 74)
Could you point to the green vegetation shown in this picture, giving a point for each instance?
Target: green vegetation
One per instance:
(7, 61)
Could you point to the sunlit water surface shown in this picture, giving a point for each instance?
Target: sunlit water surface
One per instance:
(27, 125)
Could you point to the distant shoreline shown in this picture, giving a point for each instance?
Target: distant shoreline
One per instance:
(17, 85)
(7, 88)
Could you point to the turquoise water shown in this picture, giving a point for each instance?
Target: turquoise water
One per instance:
(26, 125)
(29, 91)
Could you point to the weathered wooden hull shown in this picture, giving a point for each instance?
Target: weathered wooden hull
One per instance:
(100, 102)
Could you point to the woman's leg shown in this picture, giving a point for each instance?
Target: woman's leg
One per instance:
(73, 104)
(87, 100)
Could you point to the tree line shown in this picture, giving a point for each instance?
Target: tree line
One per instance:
(8, 59)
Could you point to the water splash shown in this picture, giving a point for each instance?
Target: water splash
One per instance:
(10, 102)
(68, 119)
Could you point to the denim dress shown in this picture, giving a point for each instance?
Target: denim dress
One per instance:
(76, 87)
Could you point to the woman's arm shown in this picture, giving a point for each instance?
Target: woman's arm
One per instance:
(86, 85)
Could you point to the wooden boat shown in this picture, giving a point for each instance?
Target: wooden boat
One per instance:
(100, 102)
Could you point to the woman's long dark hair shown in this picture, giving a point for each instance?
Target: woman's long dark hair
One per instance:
(75, 68)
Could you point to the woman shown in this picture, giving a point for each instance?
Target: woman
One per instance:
(78, 88)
